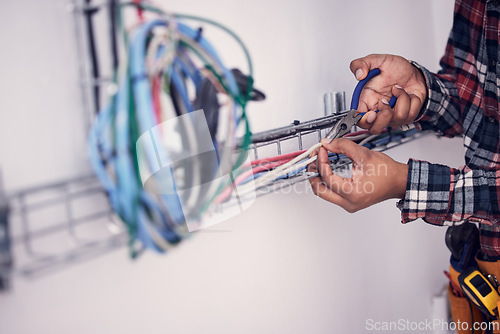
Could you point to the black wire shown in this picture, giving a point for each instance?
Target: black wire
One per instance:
(6, 262)
(113, 7)
(88, 13)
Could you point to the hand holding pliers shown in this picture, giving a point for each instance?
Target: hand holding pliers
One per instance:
(344, 125)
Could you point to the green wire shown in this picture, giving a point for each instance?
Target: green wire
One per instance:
(133, 135)
(209, 67)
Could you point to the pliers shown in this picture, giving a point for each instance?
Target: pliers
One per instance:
(344, 125)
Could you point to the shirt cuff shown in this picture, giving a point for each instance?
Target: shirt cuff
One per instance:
(427, 193)
(428, 83)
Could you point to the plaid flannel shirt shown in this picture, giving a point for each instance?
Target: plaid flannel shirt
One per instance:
(463, 99)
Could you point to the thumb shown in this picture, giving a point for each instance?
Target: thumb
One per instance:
(361, 66)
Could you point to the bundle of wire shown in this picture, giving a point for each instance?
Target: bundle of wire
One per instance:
(169, 70)
(262, 172)
(165, 70)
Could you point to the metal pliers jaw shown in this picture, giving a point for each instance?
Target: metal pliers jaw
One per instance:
(343, 126)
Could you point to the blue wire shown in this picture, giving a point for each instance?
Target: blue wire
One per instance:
(142, 96)
(97, 163)
(181, 88)
(193, 34)
(125, 174)
(228, 75)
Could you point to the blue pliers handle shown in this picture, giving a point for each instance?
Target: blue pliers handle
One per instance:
(359, 88)
(344, 126)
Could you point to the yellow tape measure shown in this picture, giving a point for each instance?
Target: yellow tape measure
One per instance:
(479, 291)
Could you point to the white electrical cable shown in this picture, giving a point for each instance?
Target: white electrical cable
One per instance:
(298, 167)
(367, 139)
(294, 165)
(358, 137)
(291, 169)
(272, 175)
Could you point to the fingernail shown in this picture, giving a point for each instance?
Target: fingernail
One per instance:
(359, 74)
(384, 101)
(371, 117)
(398, 86)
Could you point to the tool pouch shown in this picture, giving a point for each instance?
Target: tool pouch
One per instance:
(492, 268)
(461, 309)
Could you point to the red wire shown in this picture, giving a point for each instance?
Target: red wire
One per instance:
(362, 132)
(275, 158)
(243, 176)
(156, 97)
(352, 134)
(140, 13)
(294, 154)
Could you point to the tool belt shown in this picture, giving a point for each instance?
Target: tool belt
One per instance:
(462, 309)
(473, 289)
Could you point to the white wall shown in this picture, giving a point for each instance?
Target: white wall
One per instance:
(41, 136)
(291, 263)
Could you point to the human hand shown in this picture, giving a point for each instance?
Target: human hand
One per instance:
(398, 77)
(375, 176)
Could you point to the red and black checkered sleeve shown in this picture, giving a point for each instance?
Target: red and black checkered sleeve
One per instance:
(441, 112)
(457, 86)
(441, 195)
